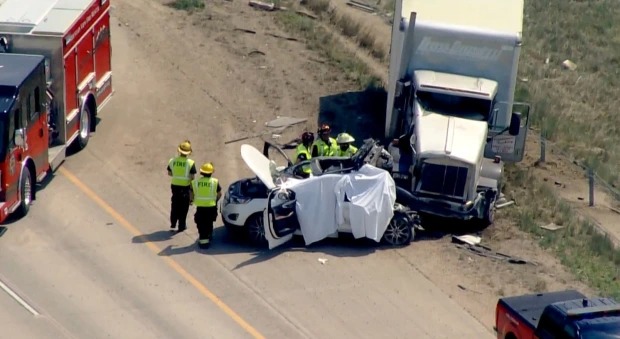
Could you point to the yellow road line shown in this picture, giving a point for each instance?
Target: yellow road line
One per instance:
(172, 263)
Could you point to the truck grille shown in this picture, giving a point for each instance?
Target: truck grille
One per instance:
(443, 180)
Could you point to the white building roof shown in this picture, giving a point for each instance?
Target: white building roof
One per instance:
(40, 16)
(498, 15)
(445, 136)
(469, 86)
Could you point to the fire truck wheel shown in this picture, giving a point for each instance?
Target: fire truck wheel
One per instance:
(84, 132)
(26, 192)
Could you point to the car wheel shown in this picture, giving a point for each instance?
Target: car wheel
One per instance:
(399, 231)
(255, 229)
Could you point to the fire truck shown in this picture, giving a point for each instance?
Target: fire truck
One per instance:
(55, 75)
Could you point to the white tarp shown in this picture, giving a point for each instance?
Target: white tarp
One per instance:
(322, 209)
(372, 195)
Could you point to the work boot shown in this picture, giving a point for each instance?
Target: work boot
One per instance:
(204, 244)
(173, 228)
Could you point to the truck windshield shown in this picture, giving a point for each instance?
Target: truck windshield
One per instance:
(606, 330)
(454, 105)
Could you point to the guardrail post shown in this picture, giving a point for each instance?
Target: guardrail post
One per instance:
(543, 146)
(591, 186)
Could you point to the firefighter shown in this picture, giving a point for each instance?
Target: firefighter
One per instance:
(345, 147)
(206, 192)
(302, 152)
(325, 145)
(182, 170)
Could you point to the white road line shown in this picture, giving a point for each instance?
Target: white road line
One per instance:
(19, 299)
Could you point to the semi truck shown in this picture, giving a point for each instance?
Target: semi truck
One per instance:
(55, 76)
(451, 112)
(557, 315)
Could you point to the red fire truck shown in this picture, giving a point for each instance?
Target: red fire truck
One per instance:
(55, 75)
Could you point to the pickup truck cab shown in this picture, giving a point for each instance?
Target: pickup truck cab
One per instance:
(557, 315)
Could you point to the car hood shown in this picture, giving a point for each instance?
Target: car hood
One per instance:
(259, 164)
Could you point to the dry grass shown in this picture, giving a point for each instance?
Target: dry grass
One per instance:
(348, 27)
(576, 109)
(324, 42)
(187, 5)
(580, 246)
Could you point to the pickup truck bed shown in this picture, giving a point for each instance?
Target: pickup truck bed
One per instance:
(530, 307)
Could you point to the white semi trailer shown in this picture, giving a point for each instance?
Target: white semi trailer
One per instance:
(450, 107)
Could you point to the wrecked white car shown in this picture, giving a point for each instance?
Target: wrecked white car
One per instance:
(343, 195)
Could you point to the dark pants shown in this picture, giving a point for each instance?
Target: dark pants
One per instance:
(204, 218)
(179, 205)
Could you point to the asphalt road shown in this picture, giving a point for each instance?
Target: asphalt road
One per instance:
(94, 259)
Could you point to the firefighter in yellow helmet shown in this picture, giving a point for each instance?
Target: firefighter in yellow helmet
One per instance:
(345, 147)
(302, 152)
(182, 170)
(206, 192)
(325, 145)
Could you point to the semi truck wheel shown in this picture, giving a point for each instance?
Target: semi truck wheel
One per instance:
(26, 192)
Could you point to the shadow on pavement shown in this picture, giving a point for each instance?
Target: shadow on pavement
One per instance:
(156, 236)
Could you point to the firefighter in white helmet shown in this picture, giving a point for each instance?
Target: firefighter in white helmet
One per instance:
(182, 170)
(345, 147)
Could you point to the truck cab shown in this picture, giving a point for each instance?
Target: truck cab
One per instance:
(557, 315)
(451, 94)
(23, 129)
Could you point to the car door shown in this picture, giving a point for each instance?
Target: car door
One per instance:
(277, 154)
(280, 217)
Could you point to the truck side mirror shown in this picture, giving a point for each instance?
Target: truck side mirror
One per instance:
(515, 124)
(19, 138)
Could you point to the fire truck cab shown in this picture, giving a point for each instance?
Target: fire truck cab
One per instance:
(55, 75)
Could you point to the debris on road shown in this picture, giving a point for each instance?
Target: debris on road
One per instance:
(245, 30)
(255, 51)
(551, 227)
(361, 6)
(484, 251)
(569, 65)
(323, 261)
(285, 122)
(467, 289)
(307, 15)
(502, 202)
(282, 37)
(467, 239)
(265, 6)
(279, 125)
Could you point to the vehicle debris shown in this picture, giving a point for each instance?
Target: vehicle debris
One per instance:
(265, 6)
(285, 122)
(569, 65)
(361, 6)
(551, 227)
(282, 37)
(484, 251)
(467, 239)
(467, 289)
(255, 51)
(244, 30)
(323, 261)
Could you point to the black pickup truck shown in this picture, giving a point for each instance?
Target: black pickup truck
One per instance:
(557, 315)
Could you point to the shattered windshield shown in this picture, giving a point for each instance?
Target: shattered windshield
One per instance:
(453, 105)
